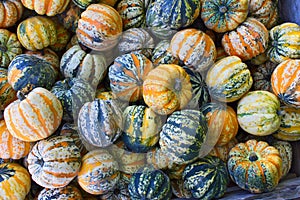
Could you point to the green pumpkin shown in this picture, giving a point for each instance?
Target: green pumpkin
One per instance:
(149, 183)
(207, 178)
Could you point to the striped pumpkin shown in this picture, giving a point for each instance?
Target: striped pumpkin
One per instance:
(70, 17)
(285, 81)
(194, 48)
(11, 147)
(99, 27)
(257, 113)
(127, 75)
(234, 79)
(222, 119)
(7, 93)
(99, 172)
(206, 178)
(36, 33)
(26, 72)
(10, 12)
(14, 181)
(222, 152)
(286, 153)
(45, 7)
(83, 4)
(262, 76)
(179, 190)
(141, 128)
(69, 192)
(10, 47)
(167, 88)
(54, 162)
(35, 116)
(133, 13)
(63, 37)
(223, 16)
(100, 122)
(248, 40)
(284, 42)
(162, 55)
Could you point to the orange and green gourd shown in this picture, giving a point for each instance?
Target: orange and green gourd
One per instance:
(46, 7)
(10, 12)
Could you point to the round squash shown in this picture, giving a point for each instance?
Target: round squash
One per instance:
(10, 47)
(179, 190)
(99, 172)
(285, 81)
(234, 79)
(14, 181)
(248, 40)
(194, 48)
(54, 162)
(35, 116)
(99, 27)
(262, 76)
(167, 88)
(257, 113)
(7, 93)
(36, 33)
(286, 154)
(162, 55)
(83, 4)
(284, 42)
(10, 12)
(45, 7)
(223, 16)
(70, 17)
(255, 166)
(69, 192)
(63, 37)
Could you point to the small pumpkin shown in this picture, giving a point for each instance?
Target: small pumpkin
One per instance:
(162, 55)
(255, 166)
(15, 181)
(7, 93)
(167, 88)
(35, 116)
(69, 192)
(285, 81)
(10, 47)
(54, 162)
(286, 154)
(44, 7)
(10, 12)
(63, 37)
(262, 76)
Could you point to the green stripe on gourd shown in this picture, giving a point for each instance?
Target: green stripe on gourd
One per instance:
(161, 55)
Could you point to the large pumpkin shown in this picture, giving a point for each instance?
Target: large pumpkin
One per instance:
(223, 16)
(7, 93)
(285, 81)
(54, 162)
(234, 79)
(167, 88)
(10, 12)
(45, 7)
(35, 116)
(248, 40)
(255, 166)
(14, 181)
(99, 27)
(36, 33)
(10, 47)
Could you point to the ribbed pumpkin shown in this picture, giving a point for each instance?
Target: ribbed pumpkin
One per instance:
(54, 162)
(26, 72)
(63, 37)
(179, 190)
(70, 17)
(11, 147)
(133, 13)
(260, 59)
(164, 17)
(167, 88)
(141, 127)
(149, 183)
(223, 119)
(207, 178)
(83, 4)
(99, 172)
(284, 42)
(285, 81)
(265, 11)
(222, 152)
(99, 27)
(257, 113)
(90, 66)
(7, 93)
(10, 47)
(127, 75)
(195, 48)
(223, 16)
(35, 116)
(69, 192)
(234, 79)
(14, 181)
(262, 76)
(248, 40)
(161, 54)
(10, 12)
(45, 7)
(36, 33)
(286, 154)
(289, 129)
(100, 122)
(255, 166)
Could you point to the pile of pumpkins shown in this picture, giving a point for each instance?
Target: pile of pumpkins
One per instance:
(145, 99)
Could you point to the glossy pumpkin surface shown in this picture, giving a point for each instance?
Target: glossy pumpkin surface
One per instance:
(44, 7)
(10, 12)
(7, 93)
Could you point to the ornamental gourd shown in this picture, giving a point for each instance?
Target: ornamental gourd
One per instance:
(70, 17)
(10, 12)
(222, 152)
(69, 192)
(44, 7)
(255, 166)
(162, 55)
(262, 76)
(7, 93)
(35, 116)
(63, 37)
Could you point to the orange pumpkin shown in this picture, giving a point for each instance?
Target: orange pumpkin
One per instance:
(10, 12)
(46, 7)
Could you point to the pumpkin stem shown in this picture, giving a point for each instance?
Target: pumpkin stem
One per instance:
(21, 95)
(253, 157)
(177, 85)
(223, 9)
